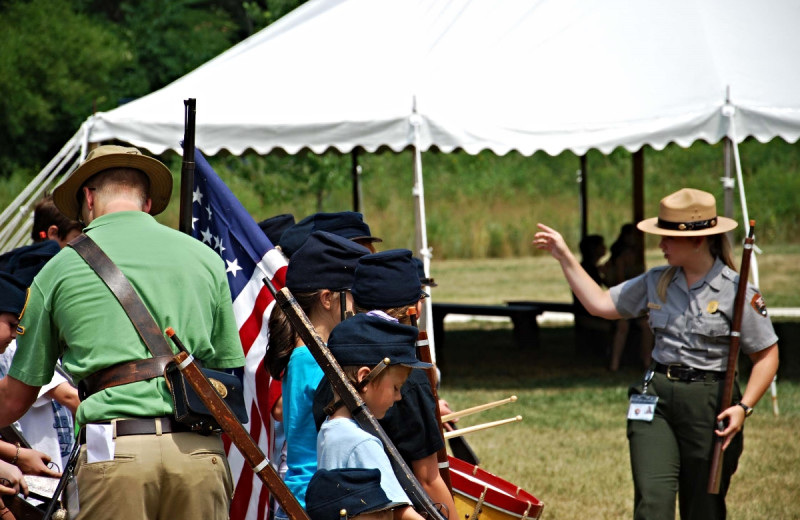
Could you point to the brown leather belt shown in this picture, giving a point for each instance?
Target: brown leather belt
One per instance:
(142, 426)
(123, 373)
(677, 372)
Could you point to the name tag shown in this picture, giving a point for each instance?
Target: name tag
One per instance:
(642, 407)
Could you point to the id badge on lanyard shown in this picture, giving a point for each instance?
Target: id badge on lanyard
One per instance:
(642, 407)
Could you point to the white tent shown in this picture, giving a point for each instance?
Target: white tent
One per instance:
(501, 75)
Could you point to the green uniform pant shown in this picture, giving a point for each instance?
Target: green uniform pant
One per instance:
(171, 476)
(672, 454)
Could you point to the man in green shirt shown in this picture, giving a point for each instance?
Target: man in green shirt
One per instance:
(71, 314)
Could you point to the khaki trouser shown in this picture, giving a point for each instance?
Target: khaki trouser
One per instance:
(672, 454)
(172, 476)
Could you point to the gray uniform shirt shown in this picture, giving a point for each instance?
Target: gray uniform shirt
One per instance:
(693, 326)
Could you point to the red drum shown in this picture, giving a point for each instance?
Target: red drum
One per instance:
(480, 495)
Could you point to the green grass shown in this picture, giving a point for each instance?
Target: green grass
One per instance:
(570, 451)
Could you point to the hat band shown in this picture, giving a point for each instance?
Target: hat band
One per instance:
(687, 226)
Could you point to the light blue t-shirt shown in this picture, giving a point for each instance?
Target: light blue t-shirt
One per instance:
(341, 443)
(301, 380)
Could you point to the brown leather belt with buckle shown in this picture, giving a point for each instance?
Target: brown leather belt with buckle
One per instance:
(675, 372)
(142, 426)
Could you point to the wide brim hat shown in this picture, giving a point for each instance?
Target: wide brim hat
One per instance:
(687, 213)
(65, 196)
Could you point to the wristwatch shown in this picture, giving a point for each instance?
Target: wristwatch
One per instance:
(748, 411)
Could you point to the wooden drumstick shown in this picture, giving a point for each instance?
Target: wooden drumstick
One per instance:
(476, 409)
(479, 427)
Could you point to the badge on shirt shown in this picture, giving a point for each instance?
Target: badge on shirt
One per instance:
(759, 305)
(712, 306)
(642, 407)
(20, 328)
(654, 306)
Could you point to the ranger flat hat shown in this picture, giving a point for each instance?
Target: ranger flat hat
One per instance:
(65, 197)
(687, 213)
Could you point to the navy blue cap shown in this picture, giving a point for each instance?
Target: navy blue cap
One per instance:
(387, 279)
(424, 280)
(365, 340)
(347, 224)
(274, 227)
(12, 293)
(26, 262)
(356, 490)
(325, 261)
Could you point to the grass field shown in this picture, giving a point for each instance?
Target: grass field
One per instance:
(570, 451)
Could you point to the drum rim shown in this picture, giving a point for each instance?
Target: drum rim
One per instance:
(512, 499)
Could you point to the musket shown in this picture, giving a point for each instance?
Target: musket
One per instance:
(424, 354)
(237, 433)
(352, 400)
(187, 166)
(69, 470)
(715, 473)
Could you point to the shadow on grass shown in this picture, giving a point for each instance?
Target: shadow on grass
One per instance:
(484, 355)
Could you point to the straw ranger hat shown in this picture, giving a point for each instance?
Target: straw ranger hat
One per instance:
(687, 213)
(65, 196)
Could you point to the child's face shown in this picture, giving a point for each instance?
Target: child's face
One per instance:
(380, 395)
(8, 329)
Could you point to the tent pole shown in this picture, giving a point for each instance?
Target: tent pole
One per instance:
(728, 182)
(421, 233)
(582, 175)
(638, 199)
(355, 173)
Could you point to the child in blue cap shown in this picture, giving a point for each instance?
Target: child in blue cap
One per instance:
(377, 355)
(319, 276)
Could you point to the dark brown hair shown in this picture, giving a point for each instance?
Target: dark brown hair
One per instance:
(45, 214)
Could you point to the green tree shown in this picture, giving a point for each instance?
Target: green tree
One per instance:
(55, 66)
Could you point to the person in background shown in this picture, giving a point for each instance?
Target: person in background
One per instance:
(320, 275)
(347, 224)
(50, 224)
(624, 264)
(136, 461)
(689, 303)
(362, 345)
(591, 333)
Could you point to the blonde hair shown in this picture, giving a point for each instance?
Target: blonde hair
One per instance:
(399, 313)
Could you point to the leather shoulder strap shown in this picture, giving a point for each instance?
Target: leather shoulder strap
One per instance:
(122, 289)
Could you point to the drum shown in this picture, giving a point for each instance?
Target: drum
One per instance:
(480, 495)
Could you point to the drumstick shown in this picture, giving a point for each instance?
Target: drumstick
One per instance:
(476, 409)
(478, 427)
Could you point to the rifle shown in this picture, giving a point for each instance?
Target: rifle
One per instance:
(187, 166)
(715, 473)
(424, 354)
(238, 434)
(355, 404)
(69, 469)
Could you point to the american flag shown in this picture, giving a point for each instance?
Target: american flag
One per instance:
(220, 220)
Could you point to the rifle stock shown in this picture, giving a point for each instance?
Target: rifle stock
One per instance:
(715, 472)
(355, 404)
(238, 434)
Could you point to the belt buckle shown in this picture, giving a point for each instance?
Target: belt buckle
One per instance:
(669, 372)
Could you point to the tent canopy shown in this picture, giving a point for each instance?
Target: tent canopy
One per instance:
(495, 75)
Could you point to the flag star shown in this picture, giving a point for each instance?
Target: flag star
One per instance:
(206, 236)
(233, 267)
(197, 196)
(218, 244)
(194, 219)
(208, 208)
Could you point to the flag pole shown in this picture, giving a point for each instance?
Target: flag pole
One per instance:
(187, 166)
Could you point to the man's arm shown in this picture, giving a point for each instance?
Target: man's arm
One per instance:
(16, 397)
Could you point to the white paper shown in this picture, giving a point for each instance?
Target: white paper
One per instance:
(99, 442)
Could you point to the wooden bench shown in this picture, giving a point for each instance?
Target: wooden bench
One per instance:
(522, 313)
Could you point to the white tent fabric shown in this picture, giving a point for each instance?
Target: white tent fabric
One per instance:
(496, 75)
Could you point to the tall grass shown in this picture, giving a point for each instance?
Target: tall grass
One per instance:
(485, 206)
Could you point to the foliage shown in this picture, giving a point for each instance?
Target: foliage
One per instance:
(54, 65)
